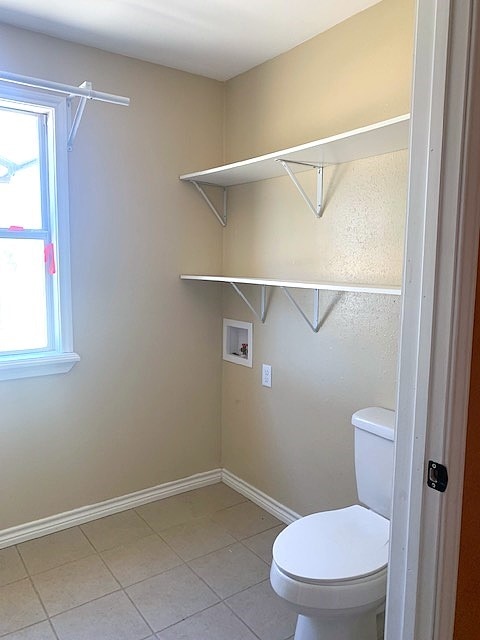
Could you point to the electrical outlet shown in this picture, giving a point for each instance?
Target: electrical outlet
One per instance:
(266, 375)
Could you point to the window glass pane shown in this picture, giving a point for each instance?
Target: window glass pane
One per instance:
(20, 188)
(23, 315)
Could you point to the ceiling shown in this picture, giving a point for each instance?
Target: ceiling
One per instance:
(214, 38)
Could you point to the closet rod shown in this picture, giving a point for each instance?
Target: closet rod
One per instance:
(57, 87)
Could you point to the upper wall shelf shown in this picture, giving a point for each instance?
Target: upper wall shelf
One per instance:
(373, 140)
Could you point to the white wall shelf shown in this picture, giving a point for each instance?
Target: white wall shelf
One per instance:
(387, 289)
(373, 140)
(286, 285)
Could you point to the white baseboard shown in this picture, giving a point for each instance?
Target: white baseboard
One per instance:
(43, 527)
(255, 495)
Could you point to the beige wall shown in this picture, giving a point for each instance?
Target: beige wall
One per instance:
(294, 441)
(145, 404)
(142, 406)
(358, 72)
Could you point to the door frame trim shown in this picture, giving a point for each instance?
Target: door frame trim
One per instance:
(437, 321)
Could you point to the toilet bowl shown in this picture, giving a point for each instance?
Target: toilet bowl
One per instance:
(331, 567)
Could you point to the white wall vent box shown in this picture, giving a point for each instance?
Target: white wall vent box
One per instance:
(238, 342)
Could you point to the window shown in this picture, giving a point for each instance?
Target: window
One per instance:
(35, 301)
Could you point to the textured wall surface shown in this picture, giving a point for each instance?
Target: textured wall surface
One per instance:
(295, 441)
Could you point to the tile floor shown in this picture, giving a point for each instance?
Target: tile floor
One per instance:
(190, 567)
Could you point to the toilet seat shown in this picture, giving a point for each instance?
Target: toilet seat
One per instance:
(332, 547)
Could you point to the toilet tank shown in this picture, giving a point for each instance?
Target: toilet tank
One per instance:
(374, 432)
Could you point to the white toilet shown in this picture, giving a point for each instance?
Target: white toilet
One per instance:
(331, 567)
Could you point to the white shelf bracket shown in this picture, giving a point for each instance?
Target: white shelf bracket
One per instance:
(221, 217)
(317, 208)
(318, 321)
(75, 122)
(263, 302)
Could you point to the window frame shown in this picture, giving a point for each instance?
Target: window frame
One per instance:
(60, 357)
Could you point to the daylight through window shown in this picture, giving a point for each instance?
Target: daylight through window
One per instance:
(34, 296)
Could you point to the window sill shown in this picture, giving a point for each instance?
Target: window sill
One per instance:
(29, 366)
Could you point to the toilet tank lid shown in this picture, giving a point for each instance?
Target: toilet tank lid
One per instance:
(376, 420)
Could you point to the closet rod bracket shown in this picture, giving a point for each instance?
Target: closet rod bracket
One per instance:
(316, 208)
(75, 122)
(221, 216)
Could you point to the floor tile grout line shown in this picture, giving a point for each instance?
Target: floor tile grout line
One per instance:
(230, 544)
(50, 617)
(185, 564)
(239, 616)
(282, 524)
(31, 577)
(255, 584)
(220, 599)
(47, 616)
(207, 516)
(119, 545)
(151, 527)
(260, 532)
(139, 612)
(53, 629)
(212, 607)
(192, 615)
(110, 549)
(94, 552)
(64, 564)
(77, 606)
(87, 555)
(212, 552)
(36, 593)
(9, 584)
(242, 538)
(21, 562)
(215, 604)
(241, 620)
(182, 562)
(154, 575)
(212, 589)
(21, 629)
(123, 589)
(269, 564)
(86, 537)
(159, 533)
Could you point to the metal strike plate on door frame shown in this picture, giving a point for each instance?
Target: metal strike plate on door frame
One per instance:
(437, 476)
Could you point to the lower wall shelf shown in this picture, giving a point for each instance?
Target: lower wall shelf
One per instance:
(285, 285)
(386, 289)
